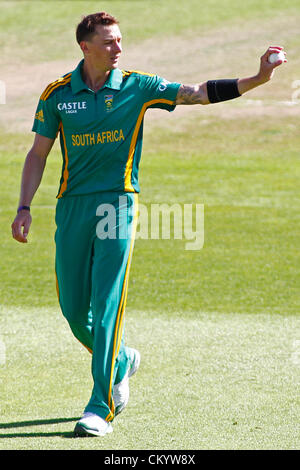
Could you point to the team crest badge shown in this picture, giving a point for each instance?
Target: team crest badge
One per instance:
(108, 99)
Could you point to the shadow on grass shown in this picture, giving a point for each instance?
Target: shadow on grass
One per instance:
(37, 422)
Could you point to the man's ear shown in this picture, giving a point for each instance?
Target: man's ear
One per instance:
(84, 46)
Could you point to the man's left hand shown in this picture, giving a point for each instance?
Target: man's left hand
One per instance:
(266, 70)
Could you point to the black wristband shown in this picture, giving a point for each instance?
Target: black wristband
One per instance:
(23, 208)
(222, 90)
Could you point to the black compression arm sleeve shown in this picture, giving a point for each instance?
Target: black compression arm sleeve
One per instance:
(222, 90)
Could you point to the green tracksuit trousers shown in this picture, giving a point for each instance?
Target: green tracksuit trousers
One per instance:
(94, 244)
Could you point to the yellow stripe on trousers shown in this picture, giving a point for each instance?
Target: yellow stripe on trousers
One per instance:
(120, 315)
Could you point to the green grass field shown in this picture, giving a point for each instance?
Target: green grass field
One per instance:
(218, 329)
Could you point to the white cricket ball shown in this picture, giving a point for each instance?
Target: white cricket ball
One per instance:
(276, 56)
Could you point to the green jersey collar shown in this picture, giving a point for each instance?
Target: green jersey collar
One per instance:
(114, 80)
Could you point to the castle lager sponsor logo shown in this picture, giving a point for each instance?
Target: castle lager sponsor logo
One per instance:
(104, 137)
(73, 107)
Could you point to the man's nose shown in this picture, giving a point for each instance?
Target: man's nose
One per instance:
(118, 47)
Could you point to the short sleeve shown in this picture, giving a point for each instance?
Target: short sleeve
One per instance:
(159, 91)
(47, 120)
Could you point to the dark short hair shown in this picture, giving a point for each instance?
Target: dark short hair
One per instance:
(86, 28)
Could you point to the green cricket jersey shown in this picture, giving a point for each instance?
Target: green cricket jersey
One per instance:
(101, 133)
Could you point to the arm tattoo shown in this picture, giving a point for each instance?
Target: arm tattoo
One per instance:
(191, 94)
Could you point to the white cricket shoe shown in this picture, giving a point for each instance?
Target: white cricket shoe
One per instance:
(92, 425)
(121, 390)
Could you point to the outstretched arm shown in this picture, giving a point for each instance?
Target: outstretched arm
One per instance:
(201, 93)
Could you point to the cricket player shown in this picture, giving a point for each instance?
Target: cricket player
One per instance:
(98, 110)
